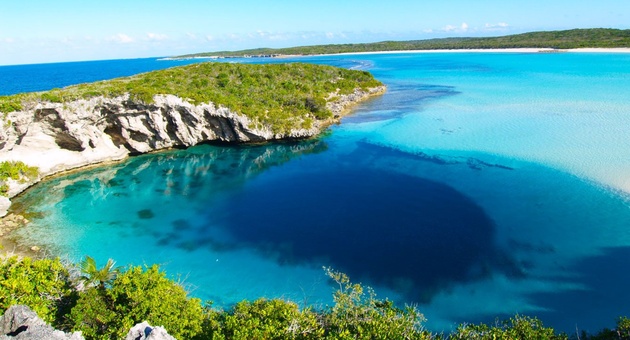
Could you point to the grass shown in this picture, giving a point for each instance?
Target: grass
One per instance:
(279, 96)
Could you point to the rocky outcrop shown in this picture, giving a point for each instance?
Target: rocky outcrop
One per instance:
(144, 331)
(20, 322)
(61, 136)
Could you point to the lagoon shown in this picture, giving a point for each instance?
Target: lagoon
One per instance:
(479, 185)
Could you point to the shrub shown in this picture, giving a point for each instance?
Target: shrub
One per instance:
(17, 171)
(518, 327)
(137, 295)
(43, 285)
(270, 319)
(359, 315)
(622, 332)
(10, 104)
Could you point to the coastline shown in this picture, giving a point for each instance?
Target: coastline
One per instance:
(53, 160)
(473, 50)
(493, 50)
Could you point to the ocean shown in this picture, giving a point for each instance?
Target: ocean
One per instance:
(479, 186)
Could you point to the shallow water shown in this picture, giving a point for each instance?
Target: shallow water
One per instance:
(480, 185)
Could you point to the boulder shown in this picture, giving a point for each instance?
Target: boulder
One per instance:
(144, 331)
(20, 322)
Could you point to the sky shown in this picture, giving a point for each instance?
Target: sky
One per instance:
(43, 31)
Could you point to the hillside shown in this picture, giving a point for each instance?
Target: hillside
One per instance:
(105, 121)
(568, 39)
(279, 96)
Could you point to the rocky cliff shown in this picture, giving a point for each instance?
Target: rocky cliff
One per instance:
(62, 136)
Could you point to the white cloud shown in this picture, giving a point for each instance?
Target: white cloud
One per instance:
(209, 37)
(452, 28)
(8, 40)
(156, 36)
(496, 27)
(449, 28)
(121, 38)
(330, 35)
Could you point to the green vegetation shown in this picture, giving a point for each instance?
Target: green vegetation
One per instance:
(17, 171)
(43, 285)
(576, 38)
(136, 295)
(118, 299)
(280, 96)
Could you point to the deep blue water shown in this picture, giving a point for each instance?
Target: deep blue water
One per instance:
(480, 185)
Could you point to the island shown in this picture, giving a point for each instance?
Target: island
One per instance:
(88, 124)
(545, 40)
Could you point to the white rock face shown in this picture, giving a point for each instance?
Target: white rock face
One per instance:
(144, 331)
(62, 136)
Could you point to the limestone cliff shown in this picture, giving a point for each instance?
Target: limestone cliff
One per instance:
(61, 136)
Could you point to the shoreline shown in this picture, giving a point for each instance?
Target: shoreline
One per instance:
(472, 50)
(489, 50)
(54, 161)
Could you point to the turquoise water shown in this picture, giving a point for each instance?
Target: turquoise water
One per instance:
(479, 185)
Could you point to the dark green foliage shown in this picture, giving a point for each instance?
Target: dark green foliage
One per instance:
(357, 314)
(94, 315)
(42, 285)
(93, 276)
(134, 296)
(622, 332)
(518, 327)
(279, 96)
(576, 38)
(108, 311)
(269, 319)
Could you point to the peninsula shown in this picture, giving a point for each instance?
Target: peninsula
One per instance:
(87, 124)
(548, 40)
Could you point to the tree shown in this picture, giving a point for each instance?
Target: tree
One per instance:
(92, 275)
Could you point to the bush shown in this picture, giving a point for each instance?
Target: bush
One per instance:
(269, 319)
(17, 171)
(518, 327)
(357, 315)
(137, 295)
(43, 285)
(622, 332)
(10, 104)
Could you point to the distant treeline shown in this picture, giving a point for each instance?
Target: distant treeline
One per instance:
(569, 39)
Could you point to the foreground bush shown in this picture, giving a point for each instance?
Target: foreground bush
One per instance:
(43, 285)
(137, 295)
(106, 302)
(518, 327)
(268, 319)
(357, 314)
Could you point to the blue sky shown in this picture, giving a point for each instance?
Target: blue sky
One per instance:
(37, 31)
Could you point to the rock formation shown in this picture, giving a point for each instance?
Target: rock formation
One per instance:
(144, 331)
(20, 322)
(61, 136)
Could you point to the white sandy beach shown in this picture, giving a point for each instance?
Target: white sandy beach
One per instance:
(502, 50)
